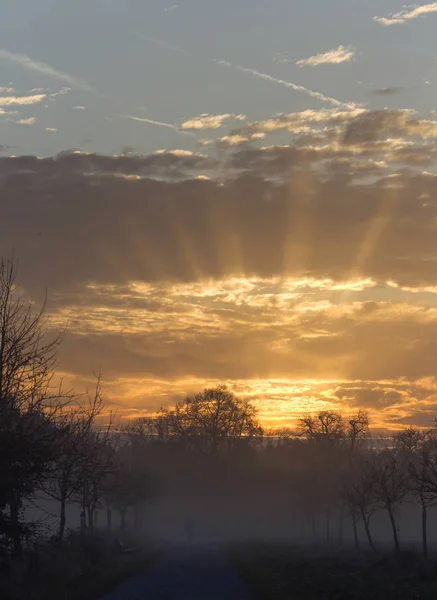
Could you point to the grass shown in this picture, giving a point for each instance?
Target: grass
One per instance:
(283, 572)
(66, 572)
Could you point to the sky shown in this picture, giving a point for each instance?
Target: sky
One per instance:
(235, 192)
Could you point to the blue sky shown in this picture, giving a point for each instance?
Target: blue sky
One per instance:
(127, 53)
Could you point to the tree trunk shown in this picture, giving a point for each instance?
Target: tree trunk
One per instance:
(123, 518)
(341, 525)
(313, 525)
(354, 526)
(424, 531)
(15, 520)
(62, 520)
(366, 521)
(108, 519)
(82, 528)
(394, 528)
(90, 518)
(328, 525)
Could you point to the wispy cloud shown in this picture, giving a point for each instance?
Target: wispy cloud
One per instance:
(255, 73)
(51, 129)
(6, 90)
(289, 84)
(387, 91)
(43, 68)
(408, 14)
(340, 55)
(21, 100)
(30, 121)
(206, 121)
(163, 44)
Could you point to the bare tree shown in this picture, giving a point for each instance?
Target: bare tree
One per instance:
(30, 403)
(326, 433)
(358, 432)
(360, 495)
(390, 477)
(412, 445)
(27, 354)
(326, 427)
(74, 455)
(214, 421)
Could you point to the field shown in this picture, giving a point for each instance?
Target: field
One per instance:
(284, 573)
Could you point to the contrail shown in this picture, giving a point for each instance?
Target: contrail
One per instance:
(289, 84)
(43, 68)
(159, 124)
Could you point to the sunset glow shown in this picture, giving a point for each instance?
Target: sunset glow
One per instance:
(259, 212)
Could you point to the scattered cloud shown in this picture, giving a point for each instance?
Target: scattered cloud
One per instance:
(171, 8)
(29, 121)
(387, 91)
(289, 84)
(43, 68)
(299, 122)
(79, 107)
(332, 57)
(408, 14)
(51, 129)
(237, 139)
(206, 121)
(6, 90)
(21, 100)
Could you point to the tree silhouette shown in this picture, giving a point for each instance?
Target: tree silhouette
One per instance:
(215, 421)
(29, 403)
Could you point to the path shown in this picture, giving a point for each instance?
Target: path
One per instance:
(203, 573)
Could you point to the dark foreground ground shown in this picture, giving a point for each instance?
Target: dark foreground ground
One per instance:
(261, 572)
(243, 571)
(187, 573)
(285, 572)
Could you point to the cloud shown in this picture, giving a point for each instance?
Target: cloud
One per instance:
(332, 57)
(29, 121)
(265, 76)
(289, 84)
(22, 100)
(303, 274)
(389, 123)
(79, 107)
(298, 122)
(43, 68)
(274, 211)
(164, 44)
(388, 91)
(236, 139)
(407, 14)
(51, 129)
(205, 121)
(284, 349)
(6, 90)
